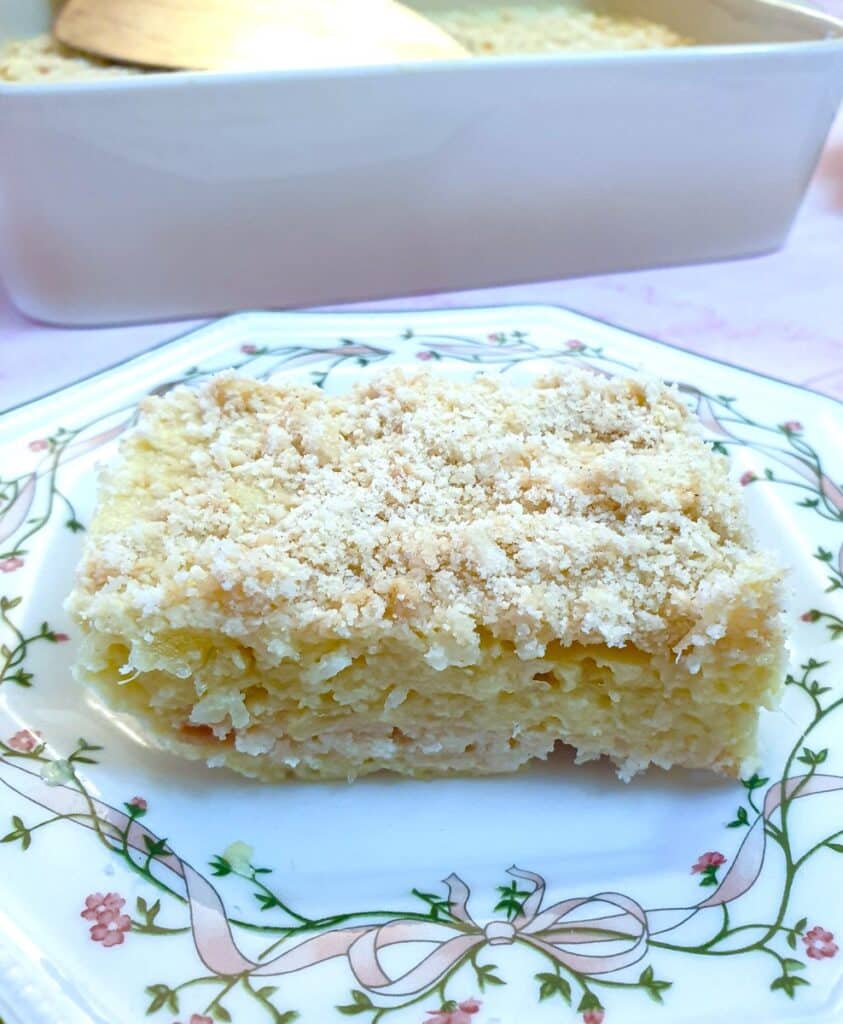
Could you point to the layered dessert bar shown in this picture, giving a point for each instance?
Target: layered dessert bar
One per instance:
(428, 576)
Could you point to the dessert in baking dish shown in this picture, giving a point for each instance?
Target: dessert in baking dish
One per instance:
(44, 59)
(484, 31)
(515, 28)
(428, 576)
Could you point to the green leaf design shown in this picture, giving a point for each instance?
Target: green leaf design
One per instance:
(553, 984)
(360, 1004)
(652, 985)
(20, 832)
(266, 900)
(161, 994)
(219, 866)
(754, 782)
(155, 847)
(439, 907)
(837, 847)
(791, 940)
(788, 983)
(793, 965)
(741, 818)
(512, 900)
(816, 690)
(485, 975)
(219, 1012)
(812, 757)
(800, 925)
(589, 1001)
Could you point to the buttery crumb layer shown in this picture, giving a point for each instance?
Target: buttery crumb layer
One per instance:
(413, 514)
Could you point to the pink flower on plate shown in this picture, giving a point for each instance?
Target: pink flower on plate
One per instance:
(10, 564)
(139, 802)
(424, 356)
(454, 1013)
(96, 905)
(60, 638)
(819, 944)
(249, 349)
(810, 616)
(593, 1016)
(748, 478)
(576, 346)
(24, 740)
(111, 928)
(713, 859)
(792, 427)
(42, 444)
(198, 1018)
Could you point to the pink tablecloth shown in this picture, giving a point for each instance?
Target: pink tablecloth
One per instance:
(780, 314)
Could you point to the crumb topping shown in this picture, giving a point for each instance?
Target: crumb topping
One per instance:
(576, 510)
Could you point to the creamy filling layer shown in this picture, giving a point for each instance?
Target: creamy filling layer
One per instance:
(337, 712)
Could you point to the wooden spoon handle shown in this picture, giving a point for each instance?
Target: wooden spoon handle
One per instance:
(252, 34)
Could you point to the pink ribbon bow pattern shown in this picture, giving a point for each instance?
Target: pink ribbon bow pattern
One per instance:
(619, 937)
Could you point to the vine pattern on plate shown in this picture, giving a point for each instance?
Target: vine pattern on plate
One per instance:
(584, 961)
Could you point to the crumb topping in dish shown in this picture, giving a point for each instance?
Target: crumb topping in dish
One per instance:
(548, 27)
(44, 59)
(488, 30)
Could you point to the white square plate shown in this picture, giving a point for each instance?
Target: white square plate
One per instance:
(135, 883)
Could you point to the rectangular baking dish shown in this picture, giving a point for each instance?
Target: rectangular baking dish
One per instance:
(185, 194)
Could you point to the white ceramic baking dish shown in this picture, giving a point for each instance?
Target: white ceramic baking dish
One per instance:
(183, 194)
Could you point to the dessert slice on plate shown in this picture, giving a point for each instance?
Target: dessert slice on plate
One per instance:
(428, 576)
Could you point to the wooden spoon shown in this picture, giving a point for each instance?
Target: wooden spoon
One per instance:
(252, 34)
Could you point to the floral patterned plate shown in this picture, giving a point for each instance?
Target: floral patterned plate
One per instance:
(138, 886)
